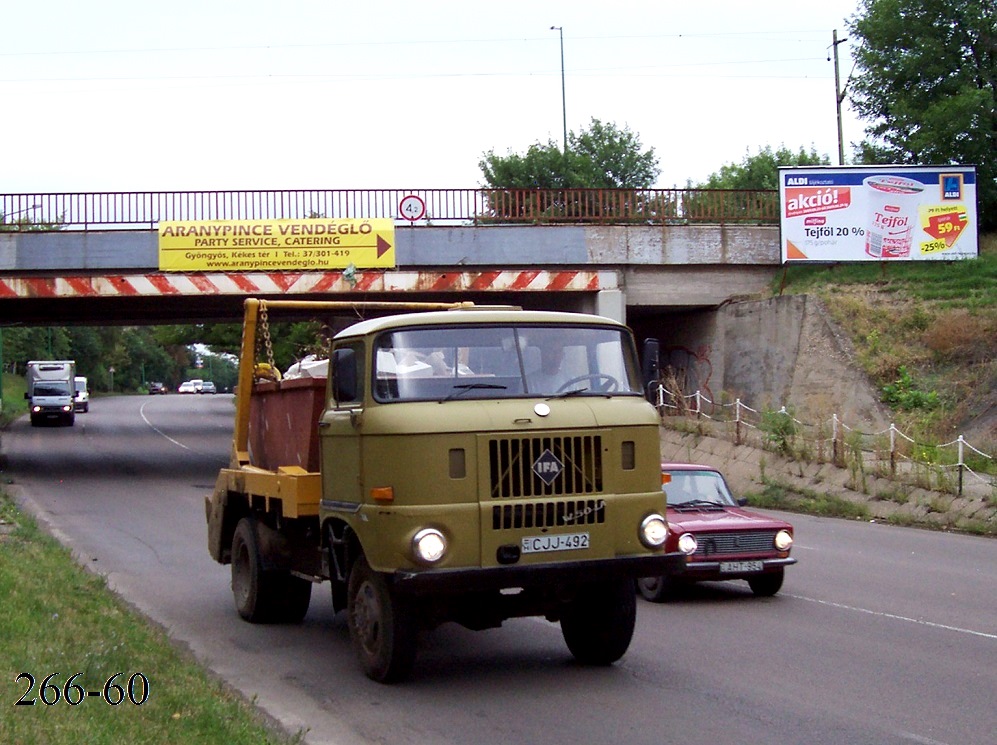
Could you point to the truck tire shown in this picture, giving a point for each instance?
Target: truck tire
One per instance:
(381, 627)
(264, 596)
(599, 623)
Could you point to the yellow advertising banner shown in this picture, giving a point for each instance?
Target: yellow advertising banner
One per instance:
(275, 245)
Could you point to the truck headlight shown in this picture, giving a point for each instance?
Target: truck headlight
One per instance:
(687, 544)
(429, 545)
(653, 531)
(783, 540)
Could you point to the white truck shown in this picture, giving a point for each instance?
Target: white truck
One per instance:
(51, 391)
(81, 394)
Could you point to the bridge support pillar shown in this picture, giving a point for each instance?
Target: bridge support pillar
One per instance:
(612, 304)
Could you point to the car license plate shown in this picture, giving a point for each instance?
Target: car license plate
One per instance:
(731, 567)
(536, 544)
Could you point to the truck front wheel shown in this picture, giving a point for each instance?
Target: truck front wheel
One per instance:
(599, 623)
(274, 596)
(381, 626)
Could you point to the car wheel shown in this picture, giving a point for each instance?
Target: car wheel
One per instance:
(599, 623)
(381, 626)
(768, 584)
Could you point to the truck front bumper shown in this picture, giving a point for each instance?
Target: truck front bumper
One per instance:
(570, 573)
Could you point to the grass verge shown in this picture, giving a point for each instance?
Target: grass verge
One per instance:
(57, 619)
(779, 496)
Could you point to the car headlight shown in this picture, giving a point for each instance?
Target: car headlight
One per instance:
(687, 544)
(429, 545)
(783, 540)
(653, 530)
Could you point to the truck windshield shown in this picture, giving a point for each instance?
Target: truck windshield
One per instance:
(459, 362)
(51, 389)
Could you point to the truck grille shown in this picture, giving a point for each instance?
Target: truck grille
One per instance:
(545, 466)
(749, 542)
(548, 514)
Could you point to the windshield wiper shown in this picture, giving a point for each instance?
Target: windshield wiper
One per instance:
(572, 392)
(696, 503)
(461, 388)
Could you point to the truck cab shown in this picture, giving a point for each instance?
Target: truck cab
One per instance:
(468, 465)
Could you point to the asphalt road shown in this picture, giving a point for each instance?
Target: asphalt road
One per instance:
(880, 635)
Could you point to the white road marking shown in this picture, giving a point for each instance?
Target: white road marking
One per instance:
(145, 419)
(893, 616)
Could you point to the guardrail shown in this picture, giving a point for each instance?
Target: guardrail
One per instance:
(144, 210)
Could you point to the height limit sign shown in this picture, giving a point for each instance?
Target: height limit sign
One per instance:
(412, 208)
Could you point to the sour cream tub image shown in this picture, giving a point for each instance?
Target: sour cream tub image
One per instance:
(891, 206)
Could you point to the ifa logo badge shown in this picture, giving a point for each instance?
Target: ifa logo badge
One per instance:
(548, 467)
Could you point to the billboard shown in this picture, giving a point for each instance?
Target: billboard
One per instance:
(878, 213)
(312, 244)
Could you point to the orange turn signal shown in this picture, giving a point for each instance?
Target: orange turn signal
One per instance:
(383, 494)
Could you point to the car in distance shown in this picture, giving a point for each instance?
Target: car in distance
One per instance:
(156, 388)
(208, 387)
(721, 539)
(187, 387)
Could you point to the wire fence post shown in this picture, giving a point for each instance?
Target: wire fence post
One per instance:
(961, 464)
(893, 449)
(737, 422)
(699, 405)
(835, 445)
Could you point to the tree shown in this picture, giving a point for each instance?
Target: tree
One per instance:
(761, 171)
(927, 84)
(600, 157)
(742, 182)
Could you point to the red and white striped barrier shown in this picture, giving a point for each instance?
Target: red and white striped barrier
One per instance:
(297, 283)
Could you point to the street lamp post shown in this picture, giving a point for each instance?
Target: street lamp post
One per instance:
(564, 103)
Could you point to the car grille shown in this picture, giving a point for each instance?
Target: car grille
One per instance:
(548, 514)
(748, 542)
(512, 474)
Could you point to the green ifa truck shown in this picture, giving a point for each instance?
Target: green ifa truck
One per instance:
(450, 462)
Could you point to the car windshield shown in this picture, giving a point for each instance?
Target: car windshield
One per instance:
(459, 362)
(52, 389)
(696, 487)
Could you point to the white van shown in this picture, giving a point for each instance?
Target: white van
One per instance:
(81, 394)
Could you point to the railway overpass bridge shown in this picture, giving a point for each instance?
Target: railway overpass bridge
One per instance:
(631, 255)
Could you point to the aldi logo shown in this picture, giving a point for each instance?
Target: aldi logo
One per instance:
(548, 467)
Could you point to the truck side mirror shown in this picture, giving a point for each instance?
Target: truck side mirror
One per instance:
(344, 375)
(650, 366)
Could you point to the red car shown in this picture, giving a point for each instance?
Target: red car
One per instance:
(721, 539)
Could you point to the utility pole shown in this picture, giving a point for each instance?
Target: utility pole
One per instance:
(839, 95)
(564, 104)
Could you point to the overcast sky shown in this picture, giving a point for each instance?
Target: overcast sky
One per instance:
(126, 95)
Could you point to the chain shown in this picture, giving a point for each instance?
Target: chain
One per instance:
(267, 343)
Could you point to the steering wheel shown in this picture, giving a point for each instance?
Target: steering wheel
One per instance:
(609, 383)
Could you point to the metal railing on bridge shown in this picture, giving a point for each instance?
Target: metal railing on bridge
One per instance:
(144, 210)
